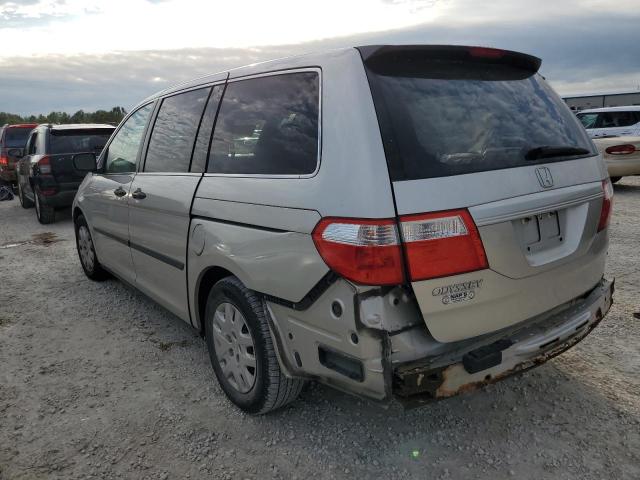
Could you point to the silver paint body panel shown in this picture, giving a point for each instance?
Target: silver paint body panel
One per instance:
(259, 228)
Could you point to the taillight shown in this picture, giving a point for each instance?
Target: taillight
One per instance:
(4, 160)
(607, 205)
(44, 166)
(369, 252)
(364, 251)
(485, 52)
(441, 244)
(626, 149)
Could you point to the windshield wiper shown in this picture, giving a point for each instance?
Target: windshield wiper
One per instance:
(549, 151)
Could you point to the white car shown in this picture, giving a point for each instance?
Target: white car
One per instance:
(621, 154)
(611, 121)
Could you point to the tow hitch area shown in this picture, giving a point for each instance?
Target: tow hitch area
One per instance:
(485, 357)
(451, 373)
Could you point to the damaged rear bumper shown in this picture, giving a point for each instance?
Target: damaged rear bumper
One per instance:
(474, 365)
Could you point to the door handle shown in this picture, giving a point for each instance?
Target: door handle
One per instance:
(120, 192)
(139, 194)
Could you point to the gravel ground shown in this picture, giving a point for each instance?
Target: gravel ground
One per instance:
(96, 381)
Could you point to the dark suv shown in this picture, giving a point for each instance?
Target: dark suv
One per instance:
(46, 176)
(12, 141)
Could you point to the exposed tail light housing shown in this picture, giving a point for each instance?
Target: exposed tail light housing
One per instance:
(607, 205)
(44, 166)
(363, 251)
(626, 149)
(369, 252)
(4, 161)
(441, 244)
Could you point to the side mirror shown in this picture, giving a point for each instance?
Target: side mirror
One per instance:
(15, 153)
(85, 162)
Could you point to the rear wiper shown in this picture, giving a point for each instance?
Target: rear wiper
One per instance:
(549, 151)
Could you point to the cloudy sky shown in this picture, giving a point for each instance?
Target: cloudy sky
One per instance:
(88, 54)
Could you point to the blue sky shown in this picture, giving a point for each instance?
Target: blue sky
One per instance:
(87, 54)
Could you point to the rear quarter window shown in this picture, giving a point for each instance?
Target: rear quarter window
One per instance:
(268, 126)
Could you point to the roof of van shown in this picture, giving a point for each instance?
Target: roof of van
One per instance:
(630, 108)
(315, 59)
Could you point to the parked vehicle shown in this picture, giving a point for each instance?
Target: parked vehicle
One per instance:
(399, 222)
(621, 155)
(12, 141)
(46, 176)
(611, 121)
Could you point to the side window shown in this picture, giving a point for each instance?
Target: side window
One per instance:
(588, 119)
(175, 131)
(32, 143)
(201, 149)
(617, 119)
(123, 150)
(268, 126)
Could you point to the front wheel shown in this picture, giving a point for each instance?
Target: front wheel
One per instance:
(87, 253)
(242, 352)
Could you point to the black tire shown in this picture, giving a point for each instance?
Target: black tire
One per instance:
(94, 269)
(45, 213)
(24, 201)
(271, 388)
(615, 179)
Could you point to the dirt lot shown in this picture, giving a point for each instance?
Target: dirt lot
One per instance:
(96, 381)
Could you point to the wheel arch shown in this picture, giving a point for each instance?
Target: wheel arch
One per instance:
(206, 280)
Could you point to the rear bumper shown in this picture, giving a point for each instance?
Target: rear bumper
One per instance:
(521, 349)
(65, 193)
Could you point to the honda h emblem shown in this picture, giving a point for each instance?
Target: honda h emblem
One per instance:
(544, 177)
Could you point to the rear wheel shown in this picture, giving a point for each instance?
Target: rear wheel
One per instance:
(242, 352)
(87, 252)
(45, 213)
(615, 179)
(24, 201)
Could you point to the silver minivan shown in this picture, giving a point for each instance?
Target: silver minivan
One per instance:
(399, 222)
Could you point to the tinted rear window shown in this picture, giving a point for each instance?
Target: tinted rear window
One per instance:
(76, 141)
(440, 118)
(16, 137)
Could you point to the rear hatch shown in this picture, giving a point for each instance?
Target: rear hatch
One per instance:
(64, 143)
(15, 138)
(477, 136)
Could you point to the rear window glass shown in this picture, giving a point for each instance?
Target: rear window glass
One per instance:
(76, 141)
(441, 118)
(268, 126)
(16, 137)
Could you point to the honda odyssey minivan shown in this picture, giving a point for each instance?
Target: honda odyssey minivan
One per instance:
(399, 222)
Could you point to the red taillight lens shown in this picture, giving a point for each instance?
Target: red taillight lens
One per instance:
(607, 205)
(441, 244)
(369, 251)
(626, 149)
(44, 166)
(364, 251)
(4, 160)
